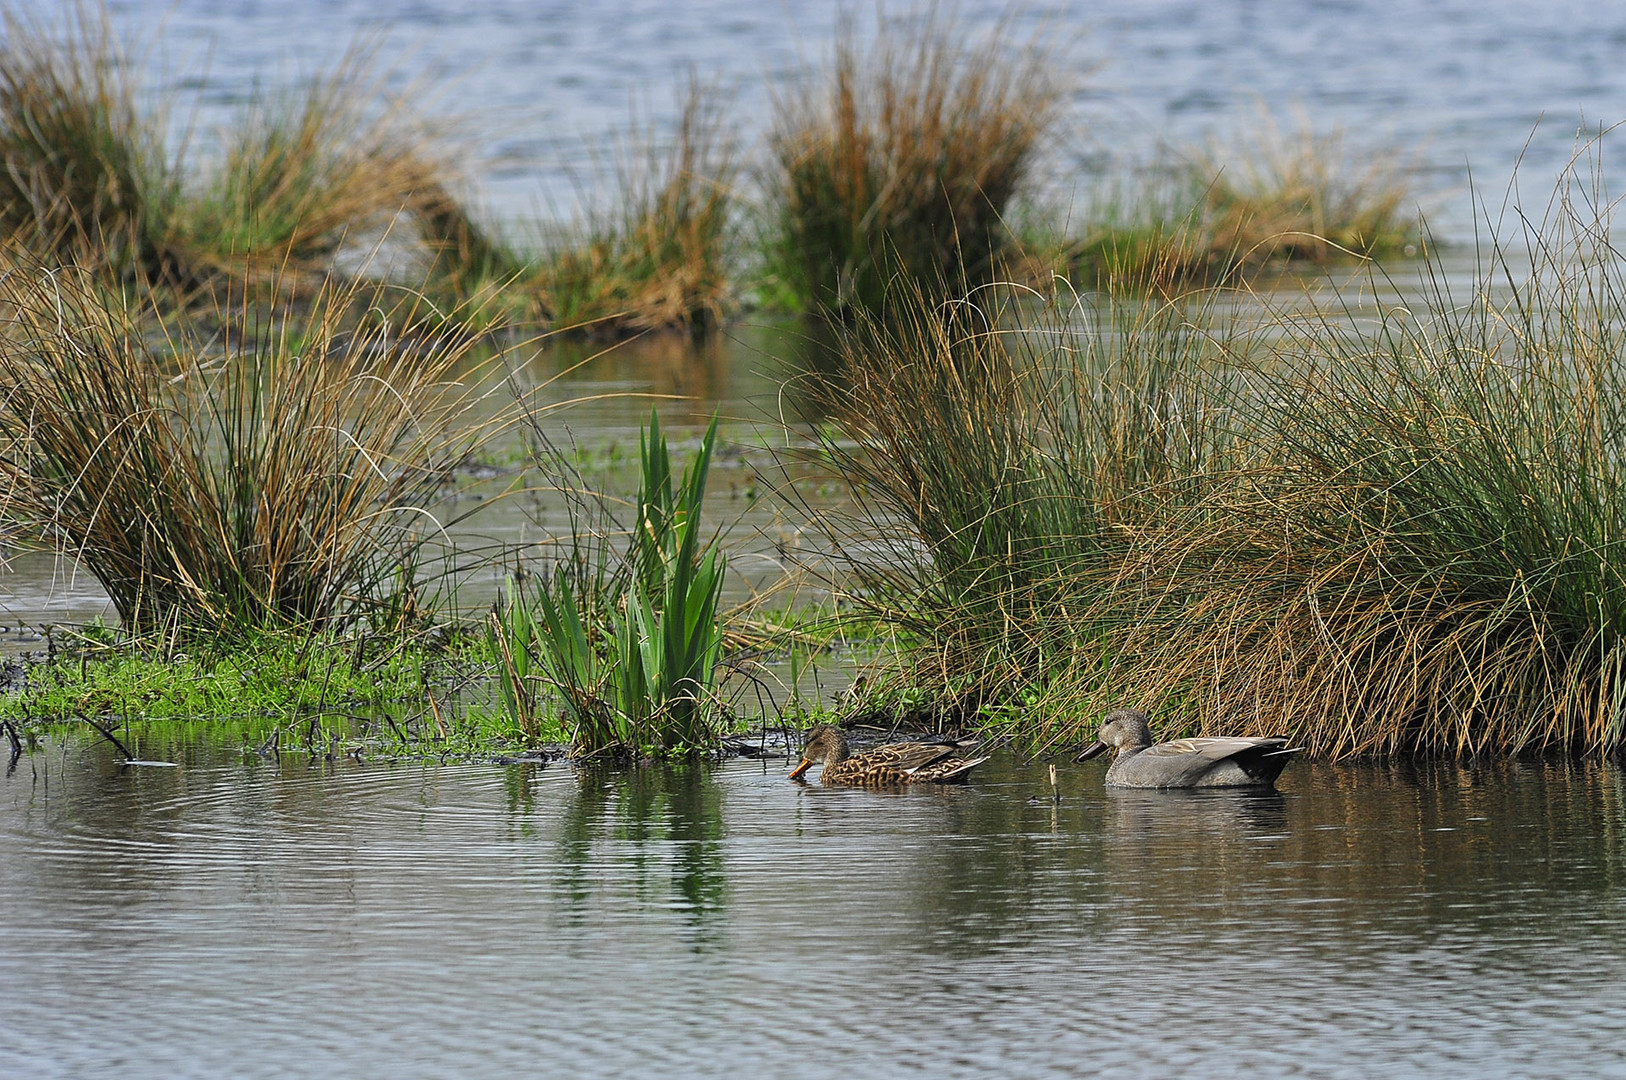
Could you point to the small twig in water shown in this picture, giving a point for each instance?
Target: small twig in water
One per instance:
(16, 744)
(107, 733)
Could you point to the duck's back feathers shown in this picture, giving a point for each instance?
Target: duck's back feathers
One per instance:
(1222, 761)
(902, 763)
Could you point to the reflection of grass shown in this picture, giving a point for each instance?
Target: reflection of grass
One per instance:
(673, 808)
(901, 162)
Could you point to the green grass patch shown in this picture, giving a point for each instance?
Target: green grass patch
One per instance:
(368, 695)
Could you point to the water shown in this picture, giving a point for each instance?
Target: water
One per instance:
(228, 917)
(535, 87)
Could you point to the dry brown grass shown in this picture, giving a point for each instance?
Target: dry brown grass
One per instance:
(1425, 557)
(280, 479)
(896, 168)
(83, 175)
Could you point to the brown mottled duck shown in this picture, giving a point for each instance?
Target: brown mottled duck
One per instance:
(884, 766)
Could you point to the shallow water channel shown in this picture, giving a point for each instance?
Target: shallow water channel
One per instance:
(239, 917)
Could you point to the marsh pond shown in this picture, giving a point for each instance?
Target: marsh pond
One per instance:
(1421, 897)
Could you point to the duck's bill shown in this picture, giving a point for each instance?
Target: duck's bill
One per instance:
(1097, 747)
(800, 769)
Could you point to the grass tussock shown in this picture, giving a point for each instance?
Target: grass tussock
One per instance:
(1223, 216)
(1003, 463)
(83, 175)
(658, 258)
(300, 172)
(1430, 564)
(279, 480)
(1395, 533)
(900, 164)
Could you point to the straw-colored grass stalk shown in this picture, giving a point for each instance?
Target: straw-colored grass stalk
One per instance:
(899, 164)
(282, 478)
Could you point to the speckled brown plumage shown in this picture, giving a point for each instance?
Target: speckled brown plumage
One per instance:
(884, 766)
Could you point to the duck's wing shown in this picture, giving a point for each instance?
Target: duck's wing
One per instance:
(948, 771)
(907, 756)
(1199, 756)
(1215, 748)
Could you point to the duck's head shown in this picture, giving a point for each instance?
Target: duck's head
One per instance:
(1120, 730)
(826, 744)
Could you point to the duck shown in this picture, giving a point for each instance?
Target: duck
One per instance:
(1224, 761)
(884, 766)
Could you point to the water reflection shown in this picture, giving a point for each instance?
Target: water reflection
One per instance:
(665, 821)
(1449, 919)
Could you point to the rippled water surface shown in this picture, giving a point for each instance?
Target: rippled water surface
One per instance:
(536, 85)
(232, 918)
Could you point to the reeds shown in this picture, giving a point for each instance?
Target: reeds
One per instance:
(1430, 562)
(654, 257)
(279, 479)
(1303, 197)
(658, 257)
(1003, 468)
(82, 169)
(470, 270)
(1395, 535)
(630, 653)
(899, 164)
